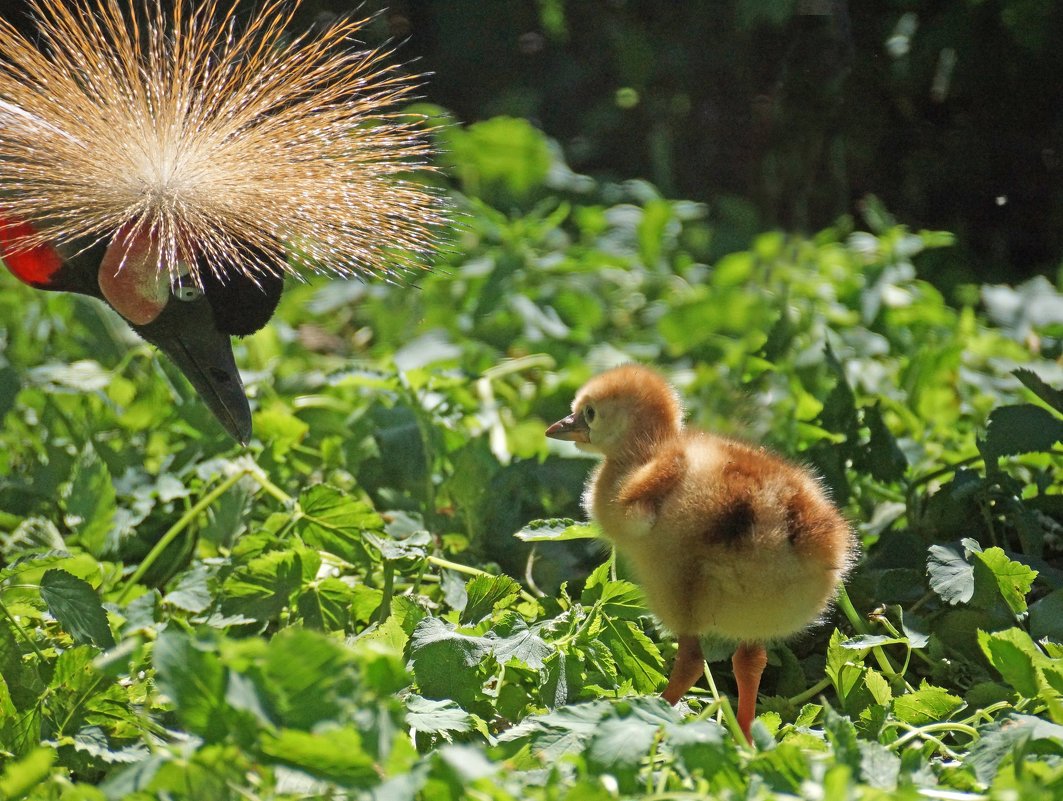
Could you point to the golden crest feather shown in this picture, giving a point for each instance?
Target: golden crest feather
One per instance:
(230, 142)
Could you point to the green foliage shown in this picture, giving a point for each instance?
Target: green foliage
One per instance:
(389, 592)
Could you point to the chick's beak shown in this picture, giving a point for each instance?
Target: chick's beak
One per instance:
(188, 335)
(572, 428)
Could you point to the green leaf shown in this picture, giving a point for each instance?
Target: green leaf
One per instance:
(886, 460)
(1024, 428)
(637, 658)
(191, 592)
(1014, 656)
(487, 593)
(21, 776)
(332, 754)
(1013, 579)
(1049, 394)
(618, 746)
(261, 588)
(436, 717)
(444, 661)
(76, 606)
(308, 675)
(335, 522)
(558, 529)
(928, 704)
(89, 503)
(512, 639)
(191, 675)
(951, 575)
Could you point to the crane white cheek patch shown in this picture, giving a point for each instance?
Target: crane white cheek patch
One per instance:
(130, 278)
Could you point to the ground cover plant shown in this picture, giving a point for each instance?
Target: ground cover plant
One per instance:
(391, 593)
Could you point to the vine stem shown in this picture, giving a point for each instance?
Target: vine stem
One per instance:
(175, 531)
(22, 632)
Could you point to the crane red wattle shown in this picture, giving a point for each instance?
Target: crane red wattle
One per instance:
(37, 265)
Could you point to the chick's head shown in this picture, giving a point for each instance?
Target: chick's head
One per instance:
(620, 411)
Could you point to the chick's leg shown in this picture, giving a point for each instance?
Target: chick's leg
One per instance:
(748, 663)
(688, 667)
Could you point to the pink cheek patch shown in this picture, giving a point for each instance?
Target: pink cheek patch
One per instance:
(130, 278)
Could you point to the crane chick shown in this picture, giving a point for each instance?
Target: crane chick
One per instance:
(725, 539)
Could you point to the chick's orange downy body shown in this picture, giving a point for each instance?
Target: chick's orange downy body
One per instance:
(725, 539)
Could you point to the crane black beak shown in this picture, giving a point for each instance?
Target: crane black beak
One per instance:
(187, 333)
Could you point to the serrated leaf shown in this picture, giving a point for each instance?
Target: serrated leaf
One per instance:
(21, 776)
(89, 503)
(332, 754)
(326, 605)
(444, 661)
(1013, 579)
(1033, 382)
(928, 704)
(191, 592)
(512, 639)
(558, 529)
(1023, 428)
(951, 575)
(76, 606)
(618, 746)
(261, 588)
(336, 522)
(485, 594)
(1014, 656)
(436, 717)
(192, 676)
(1009, 737)
(308, 674)
(637, 658)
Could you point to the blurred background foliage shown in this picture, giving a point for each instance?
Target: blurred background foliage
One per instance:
(779, 113)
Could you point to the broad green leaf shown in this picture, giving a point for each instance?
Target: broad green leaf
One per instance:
(436, 717)
(261, 588)
(332, 754)
(444, 661)
(1014, 655)
(512, 639)
(191, 591)
(1021, 429)
(308, 674)
(326, 605)
(558, 529)
(190, 673)
(89, 503)
(1012, 578)
(637, 658)
(1010, 737)
(951, 575)
(485, 594)
(336, 522)
(1049, 394)
(928, 704)
(21, 776)
(76, 606)
(618, 746)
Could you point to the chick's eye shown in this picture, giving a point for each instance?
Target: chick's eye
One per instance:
(187, 292)
(589, 414)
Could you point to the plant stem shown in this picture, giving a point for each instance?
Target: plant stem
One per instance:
(175, 531)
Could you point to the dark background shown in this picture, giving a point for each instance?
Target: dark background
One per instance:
(778, 114)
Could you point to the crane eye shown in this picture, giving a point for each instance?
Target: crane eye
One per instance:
(589, 414)
(187, 293)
